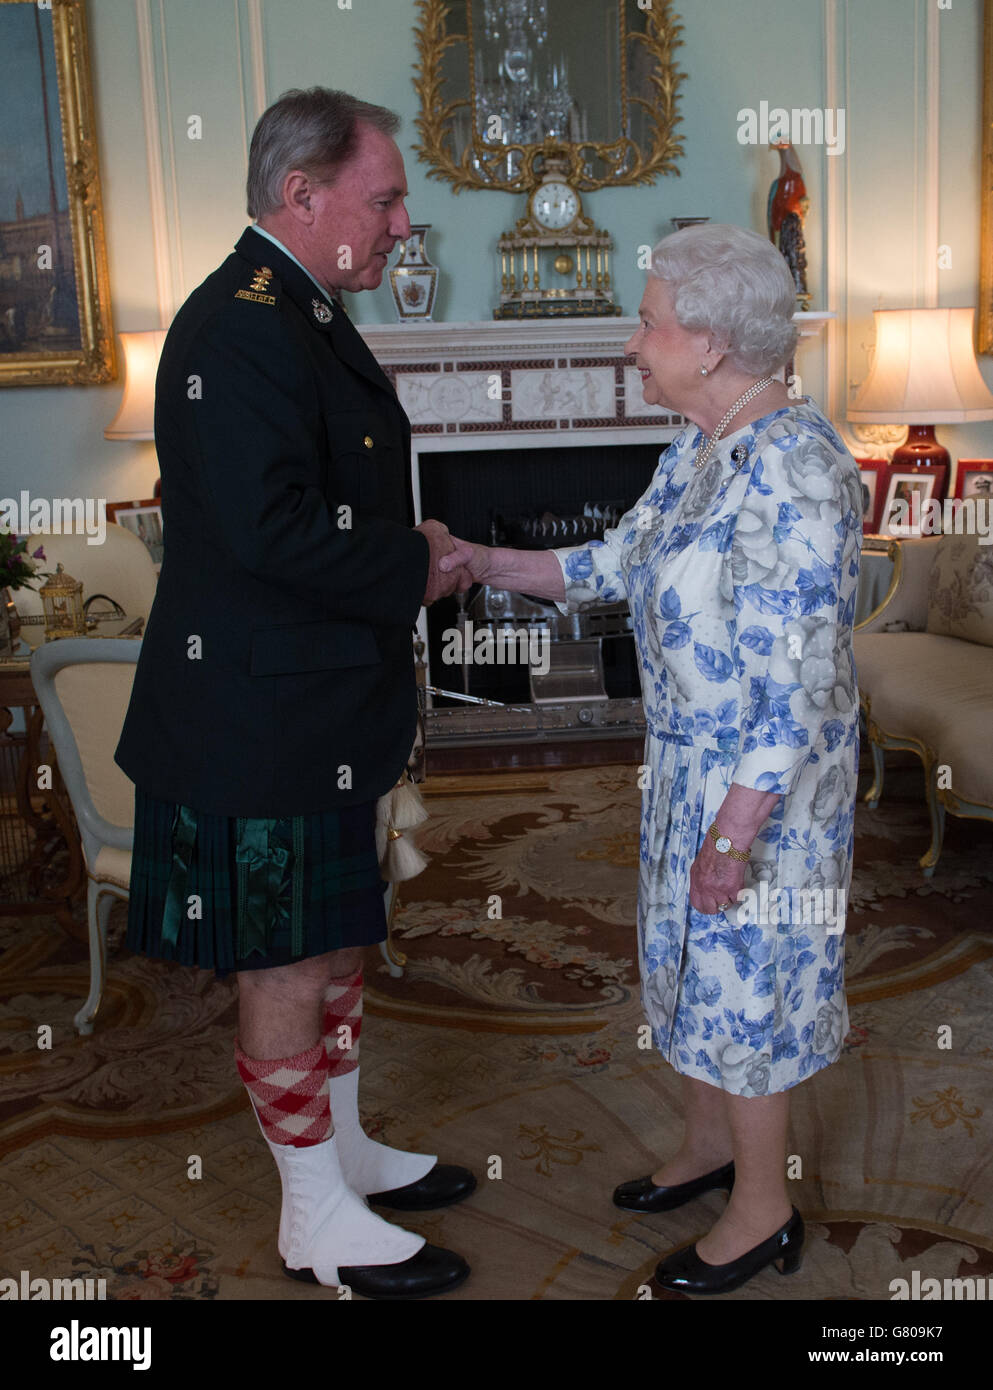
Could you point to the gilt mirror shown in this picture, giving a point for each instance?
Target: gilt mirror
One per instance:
(499, 80)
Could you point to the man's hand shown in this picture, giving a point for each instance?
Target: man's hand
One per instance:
(442, 582)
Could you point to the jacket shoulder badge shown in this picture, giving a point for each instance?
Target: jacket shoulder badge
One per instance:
(258, 291)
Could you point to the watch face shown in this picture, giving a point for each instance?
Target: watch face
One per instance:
(554, 206)
(723, 844)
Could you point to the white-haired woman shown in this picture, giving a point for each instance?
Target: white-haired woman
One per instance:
(740, 565)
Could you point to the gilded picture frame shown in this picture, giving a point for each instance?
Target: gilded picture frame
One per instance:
(984, 332)
(55, 318)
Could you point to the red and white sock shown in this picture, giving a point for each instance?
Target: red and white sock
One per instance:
(367, 1165)
(290, 1095)
(342, 1023)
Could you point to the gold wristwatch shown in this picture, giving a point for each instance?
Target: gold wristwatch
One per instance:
(724, 846)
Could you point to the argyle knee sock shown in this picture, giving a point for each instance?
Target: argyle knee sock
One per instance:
(290, 1095)
(368, 1166)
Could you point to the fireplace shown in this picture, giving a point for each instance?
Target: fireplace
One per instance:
(529, 433)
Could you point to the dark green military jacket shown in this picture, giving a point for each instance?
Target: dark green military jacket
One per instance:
(276, 672)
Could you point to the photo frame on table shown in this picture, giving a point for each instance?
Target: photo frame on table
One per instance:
(142, 519)
(912, 485)
(974, 478)
(55, 322)
(872, 472)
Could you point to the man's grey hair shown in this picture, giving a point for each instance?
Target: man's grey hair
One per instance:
(735, 285)
(314, 130)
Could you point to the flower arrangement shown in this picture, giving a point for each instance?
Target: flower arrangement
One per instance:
(16, 568)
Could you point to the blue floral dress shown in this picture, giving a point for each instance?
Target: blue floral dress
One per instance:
(741, 580)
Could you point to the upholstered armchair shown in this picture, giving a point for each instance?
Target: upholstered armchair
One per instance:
(925, 672)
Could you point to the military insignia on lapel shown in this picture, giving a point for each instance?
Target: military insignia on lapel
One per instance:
(323, 313)
(259, 289)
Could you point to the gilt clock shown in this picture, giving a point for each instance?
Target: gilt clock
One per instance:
(555, 263)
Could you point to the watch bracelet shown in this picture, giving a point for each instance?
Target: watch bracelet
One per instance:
(742, 855)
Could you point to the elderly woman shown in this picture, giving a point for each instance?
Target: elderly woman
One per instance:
(740, 565)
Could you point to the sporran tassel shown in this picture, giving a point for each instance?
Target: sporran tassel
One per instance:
(397, 814)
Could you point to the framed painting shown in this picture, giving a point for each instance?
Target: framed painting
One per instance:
(55, 325)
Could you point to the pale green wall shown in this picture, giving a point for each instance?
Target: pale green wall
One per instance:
(735, 53)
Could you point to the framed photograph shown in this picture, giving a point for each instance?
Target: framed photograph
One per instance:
(974, 478)
(145, 520)
(55, 326)
(873, 475)
(907, 490)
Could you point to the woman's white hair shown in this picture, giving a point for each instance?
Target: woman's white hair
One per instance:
(735, 285)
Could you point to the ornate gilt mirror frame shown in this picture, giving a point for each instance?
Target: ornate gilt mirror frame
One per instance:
(984, 335)
(477, 165)
(74, 235)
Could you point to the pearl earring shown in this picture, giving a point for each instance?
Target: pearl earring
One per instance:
(704, 371)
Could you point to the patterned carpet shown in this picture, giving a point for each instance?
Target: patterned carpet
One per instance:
(513, 1036)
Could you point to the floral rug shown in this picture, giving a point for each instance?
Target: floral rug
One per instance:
(511, 1043)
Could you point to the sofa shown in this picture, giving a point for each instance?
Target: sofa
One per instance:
(925, 671)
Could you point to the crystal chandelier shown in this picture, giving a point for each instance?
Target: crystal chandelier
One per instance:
(516, 80)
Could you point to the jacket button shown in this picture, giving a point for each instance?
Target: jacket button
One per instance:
(368, 441)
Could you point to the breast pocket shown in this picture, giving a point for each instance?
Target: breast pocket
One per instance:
(365, 453)
(316, 646)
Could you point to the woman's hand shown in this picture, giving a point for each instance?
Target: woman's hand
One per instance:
(535, 572)
(715, 879)
(477, 564)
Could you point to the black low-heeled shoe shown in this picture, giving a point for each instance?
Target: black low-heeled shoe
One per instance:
(642, 1195)
(685, 1272)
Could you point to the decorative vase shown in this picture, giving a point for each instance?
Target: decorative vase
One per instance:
(414, 280)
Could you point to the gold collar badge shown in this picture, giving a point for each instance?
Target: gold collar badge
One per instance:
(259, 291)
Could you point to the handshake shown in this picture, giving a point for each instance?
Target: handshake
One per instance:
(454, 564)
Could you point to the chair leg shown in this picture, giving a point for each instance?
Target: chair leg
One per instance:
(395, 960)
(98, 905)
(936, 807)
(878, 773)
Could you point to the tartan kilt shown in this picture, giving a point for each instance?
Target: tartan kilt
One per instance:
(268, 892)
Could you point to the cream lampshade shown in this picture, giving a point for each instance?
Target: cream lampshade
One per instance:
(924, 373)
(136, 417)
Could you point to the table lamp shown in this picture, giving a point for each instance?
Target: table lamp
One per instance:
(136, 417)
(924, 373)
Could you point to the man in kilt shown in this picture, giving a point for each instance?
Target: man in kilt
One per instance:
(274, 700)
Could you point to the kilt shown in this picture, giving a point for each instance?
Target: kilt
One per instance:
(235, 893)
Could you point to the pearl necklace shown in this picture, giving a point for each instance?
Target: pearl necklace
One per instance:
(707, 447)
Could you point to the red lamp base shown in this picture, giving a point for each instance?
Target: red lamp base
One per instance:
(921, 447)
